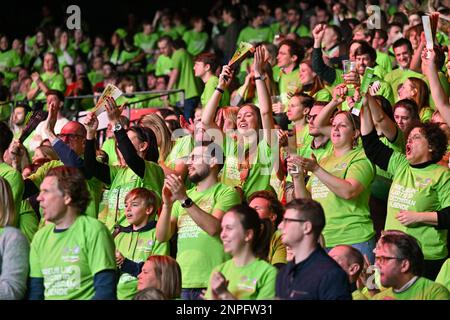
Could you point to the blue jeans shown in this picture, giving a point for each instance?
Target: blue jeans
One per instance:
(366, 248)
(192, 293)
(189, 107)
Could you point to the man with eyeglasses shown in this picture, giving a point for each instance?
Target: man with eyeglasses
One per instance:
(400, 261)
(69, 145)
(312, 274)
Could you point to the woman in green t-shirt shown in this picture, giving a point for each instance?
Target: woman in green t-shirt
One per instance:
(416, 89)
(420, 193)
(246, 275)
(139, 149)
(312, 85)
(340, 182)
(248, 153)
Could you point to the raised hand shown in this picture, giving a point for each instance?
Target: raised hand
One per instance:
(225, 77)
(112, 110)
(339, 93)
(259, 61)
(91, 125)
(318, 33)
(176, 186)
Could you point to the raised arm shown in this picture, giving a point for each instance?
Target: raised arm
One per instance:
(65, 153)
(129, 153)
(210, 223)
(209, 112)
(323, 71)
(92, 166)
(438, 94)
(265, 103)
(376, 151)
(323, 118)
(166, 224)
(379, 117)
(298, 178)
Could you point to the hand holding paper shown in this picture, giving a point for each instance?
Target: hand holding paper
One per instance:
(110, 91)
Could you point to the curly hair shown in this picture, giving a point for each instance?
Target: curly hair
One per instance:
(436, 137)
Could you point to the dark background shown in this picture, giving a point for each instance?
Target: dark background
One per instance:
(20, 18)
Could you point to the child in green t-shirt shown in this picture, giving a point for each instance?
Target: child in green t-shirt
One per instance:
(135, 243)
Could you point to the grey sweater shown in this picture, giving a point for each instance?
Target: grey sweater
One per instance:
(14, 264)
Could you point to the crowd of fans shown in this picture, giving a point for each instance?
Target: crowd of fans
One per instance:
(259, 182)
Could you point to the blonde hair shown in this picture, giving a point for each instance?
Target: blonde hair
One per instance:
(7, 208)
(168, 272)
(159, 127)
(48, 152)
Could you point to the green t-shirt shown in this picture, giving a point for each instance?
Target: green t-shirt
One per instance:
(254, 281)
(422, 289)
(94, 185)
(95, 77)
(146, 42)
(260, 167)
(123, 180)
(208, 91)
(180, 151)
(277, 249)
(351, 223)
(399, 76)
(9, 59)
(136, 246)
(54, 81)
(252, 35)
(198, 253)
(163, 65)
(422, 190)
(425, 114)
(28, 221)
(109, 146)
(384, 61)
(288, 82)
(15, 181)
(302, 31)
(68, 260)
(182, 61)
(444, 275)
(195, 41)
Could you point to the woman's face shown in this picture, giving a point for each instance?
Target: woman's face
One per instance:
(247, 120)
(403, 118)
(414, 38)
(306, 74)
(148, 278)
(342, 131)
(232, 235)
(295, 109)
(138, 144)
(417, 147)
(406, 91)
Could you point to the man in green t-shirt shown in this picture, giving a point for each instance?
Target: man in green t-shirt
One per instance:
(400, 260)
(205, 66)
(181, 75)
(72, 257)
(195, 215)
(403, 55)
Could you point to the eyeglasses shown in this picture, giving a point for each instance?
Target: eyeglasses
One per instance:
(63, 136)
(385, 259)
(293, 220)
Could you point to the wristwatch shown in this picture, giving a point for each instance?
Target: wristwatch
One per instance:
(261, 77)
(187, 203)
(117, 127)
